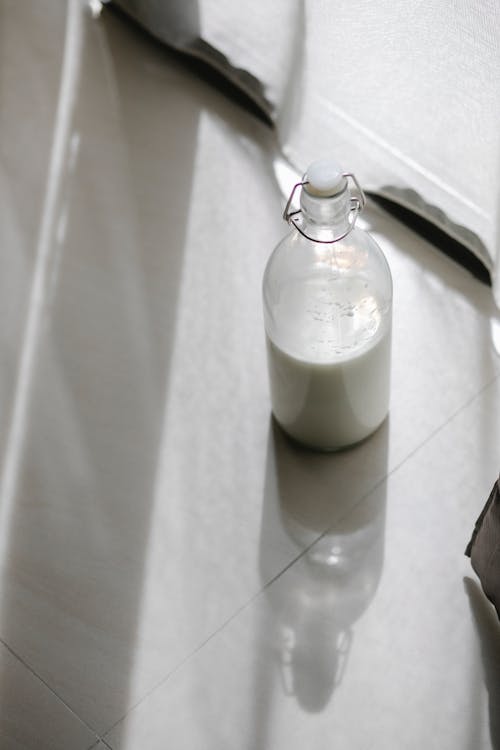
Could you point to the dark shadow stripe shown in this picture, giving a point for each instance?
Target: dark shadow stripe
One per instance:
(437, 237)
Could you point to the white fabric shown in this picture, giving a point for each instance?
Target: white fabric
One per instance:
(406, 95)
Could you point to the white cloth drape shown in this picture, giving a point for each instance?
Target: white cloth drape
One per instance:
(406, 95)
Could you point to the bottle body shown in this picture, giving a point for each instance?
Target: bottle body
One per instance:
(328, 312)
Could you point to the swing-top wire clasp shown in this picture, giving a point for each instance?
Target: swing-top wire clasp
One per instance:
(358, 202)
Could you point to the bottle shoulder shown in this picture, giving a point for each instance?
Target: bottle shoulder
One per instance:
(357, 254)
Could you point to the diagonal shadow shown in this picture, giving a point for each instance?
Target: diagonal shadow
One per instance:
(93, 362)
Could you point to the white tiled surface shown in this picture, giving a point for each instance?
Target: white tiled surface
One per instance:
(31, 715)
(377, 645)
(163, 547)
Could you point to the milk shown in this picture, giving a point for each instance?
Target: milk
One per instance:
(330, 372)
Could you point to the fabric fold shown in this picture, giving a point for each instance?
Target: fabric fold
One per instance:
(484, 547)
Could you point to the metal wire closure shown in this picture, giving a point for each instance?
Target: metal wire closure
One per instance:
(357, 204)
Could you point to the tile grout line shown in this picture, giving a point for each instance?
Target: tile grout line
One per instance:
(100, 741)
(410, 455)
(66, 705)
(212, 635)
(397, 466)
(303, 552)
(447, 421)
(230, 619)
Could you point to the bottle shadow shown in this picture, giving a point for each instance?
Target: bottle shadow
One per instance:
(335, 515)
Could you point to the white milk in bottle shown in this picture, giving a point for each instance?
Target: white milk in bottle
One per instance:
(327, 306)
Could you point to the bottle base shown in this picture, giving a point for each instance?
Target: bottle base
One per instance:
(325, 447)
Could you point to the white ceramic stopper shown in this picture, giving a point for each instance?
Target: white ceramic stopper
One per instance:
(325, 178)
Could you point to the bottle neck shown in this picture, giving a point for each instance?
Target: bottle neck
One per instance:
(325, 218)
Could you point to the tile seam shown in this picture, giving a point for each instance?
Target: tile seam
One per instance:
(303, 552)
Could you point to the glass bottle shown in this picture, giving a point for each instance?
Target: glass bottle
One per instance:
(327, 293)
